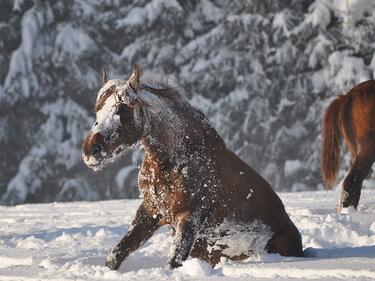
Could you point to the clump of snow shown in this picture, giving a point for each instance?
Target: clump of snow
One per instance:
(291, 167)
(149, 13)
(347, 70)
(238, 95)
(350, 10)
(282, 20)
(17, 5)
(6, 262)
(196, 268)
(135, 16)
(70, 44)
(319, 14)
(239, 238)
(319, 51)
(250, 194)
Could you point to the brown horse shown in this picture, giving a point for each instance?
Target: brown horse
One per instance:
(216, 204)
(351, 116)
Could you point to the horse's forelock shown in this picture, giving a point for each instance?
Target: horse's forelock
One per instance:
(106, 91)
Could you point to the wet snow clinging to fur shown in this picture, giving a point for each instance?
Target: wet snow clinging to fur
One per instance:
(107, 120)
(239, 238)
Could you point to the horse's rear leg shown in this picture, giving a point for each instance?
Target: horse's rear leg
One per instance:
(351, 189)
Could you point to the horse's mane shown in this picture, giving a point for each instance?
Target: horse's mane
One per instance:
(159, 86)
(172, 100)
(165, 92)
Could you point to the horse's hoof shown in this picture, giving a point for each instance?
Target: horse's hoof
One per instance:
(344, 201)
(173, 264)
(112, 263)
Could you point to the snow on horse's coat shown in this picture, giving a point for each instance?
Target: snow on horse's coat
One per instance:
(216, 204)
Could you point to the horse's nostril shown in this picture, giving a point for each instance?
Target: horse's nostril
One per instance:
(96, 149)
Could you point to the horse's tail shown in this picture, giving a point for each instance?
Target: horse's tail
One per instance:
(331, 141)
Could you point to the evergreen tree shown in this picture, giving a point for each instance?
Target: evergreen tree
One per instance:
(262, 71)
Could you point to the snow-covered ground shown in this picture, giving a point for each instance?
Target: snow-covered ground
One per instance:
(69, 241)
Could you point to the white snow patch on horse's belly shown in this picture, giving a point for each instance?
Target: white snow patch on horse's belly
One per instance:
(234, 239)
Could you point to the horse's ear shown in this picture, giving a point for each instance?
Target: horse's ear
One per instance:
(104, 75)
(134, 80)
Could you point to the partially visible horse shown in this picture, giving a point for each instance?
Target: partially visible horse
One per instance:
(352, 117)
(216, 204)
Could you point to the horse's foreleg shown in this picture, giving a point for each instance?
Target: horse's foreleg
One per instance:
(142, 228)
(351, 189)
(184, 239)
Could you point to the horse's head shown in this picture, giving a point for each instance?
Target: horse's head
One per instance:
(117, 124)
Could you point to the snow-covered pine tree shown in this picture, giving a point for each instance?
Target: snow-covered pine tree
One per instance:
(263, 72)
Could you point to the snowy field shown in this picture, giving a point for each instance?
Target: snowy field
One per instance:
(69, 241)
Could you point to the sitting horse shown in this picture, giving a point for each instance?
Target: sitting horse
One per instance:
(351, 116)
(216, 205)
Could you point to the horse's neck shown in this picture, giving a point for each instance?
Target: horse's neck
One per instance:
(164, 131)
(165, 150)
(176, 152)
(176, 132)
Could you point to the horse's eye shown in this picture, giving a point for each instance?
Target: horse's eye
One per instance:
(96, 149)
(121, 109)
(125, 114)
(96, 123)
